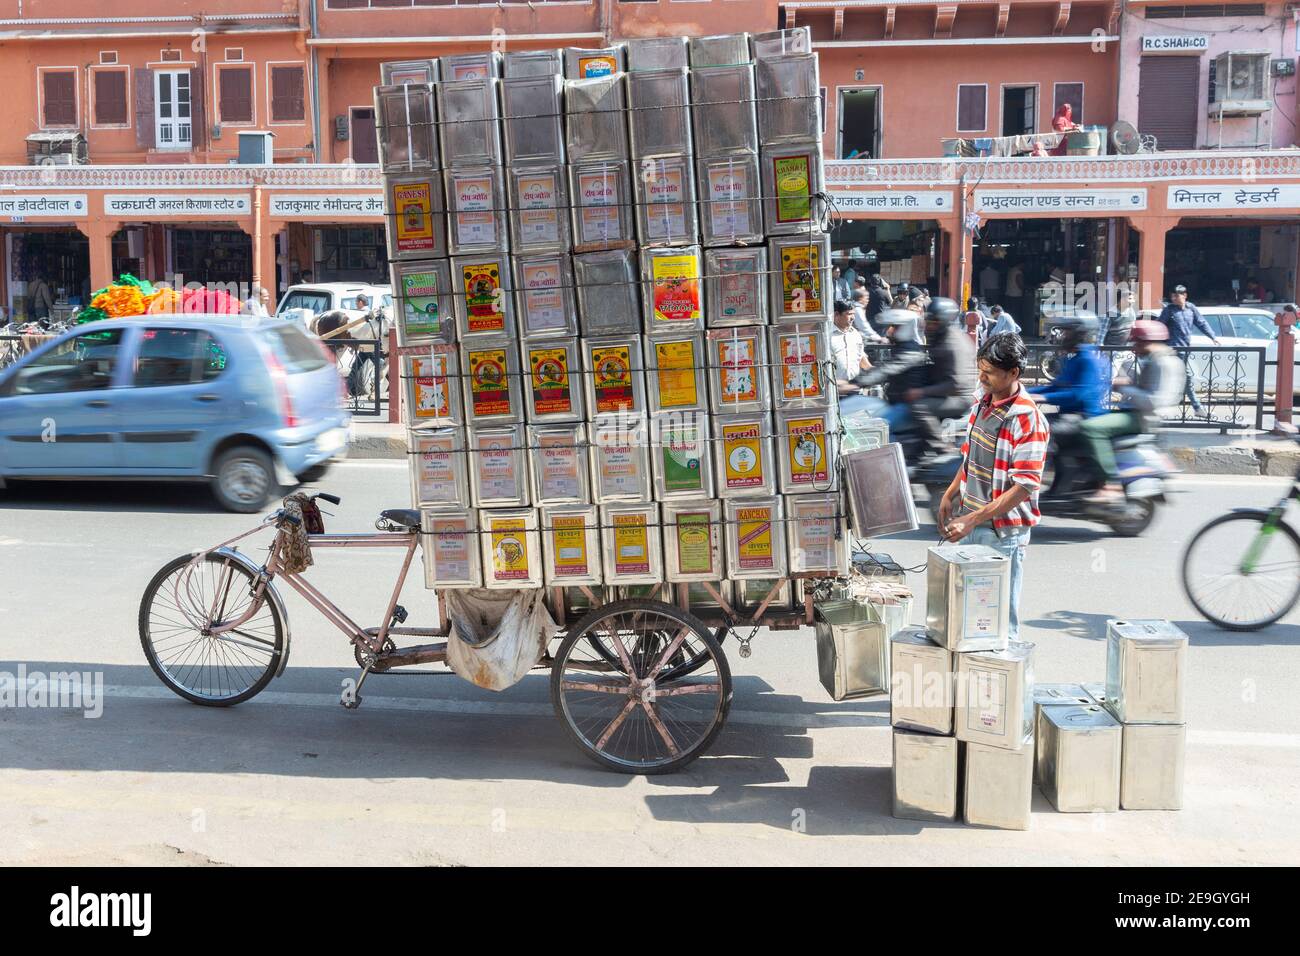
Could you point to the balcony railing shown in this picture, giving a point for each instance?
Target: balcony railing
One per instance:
(1243, 165)
(341, 175)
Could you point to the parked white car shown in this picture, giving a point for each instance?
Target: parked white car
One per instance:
(318, 298)
(1240, 327)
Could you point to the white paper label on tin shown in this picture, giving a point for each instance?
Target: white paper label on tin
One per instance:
(598, 206)
(665, 193)
(980, 604)
(728, 211)
(990, 690)
(476, 221)
(620, 469)
(498, 474)
(451, 549)
(814, 531)
(543, 296)
(437, 475)
(560, 476)
(538, 219)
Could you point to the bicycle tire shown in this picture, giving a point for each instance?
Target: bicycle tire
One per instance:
(1197, 601)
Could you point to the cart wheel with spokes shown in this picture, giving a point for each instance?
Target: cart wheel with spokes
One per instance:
(662, 702)
(180, 608)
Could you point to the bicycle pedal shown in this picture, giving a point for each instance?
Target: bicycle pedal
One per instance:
(399, 615)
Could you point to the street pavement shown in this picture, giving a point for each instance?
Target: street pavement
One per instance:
(433, 771)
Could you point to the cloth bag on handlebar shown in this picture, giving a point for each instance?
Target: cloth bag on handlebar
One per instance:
(496, 637)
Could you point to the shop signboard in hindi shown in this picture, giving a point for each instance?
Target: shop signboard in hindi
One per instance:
(1062, 201)
(1237, 196)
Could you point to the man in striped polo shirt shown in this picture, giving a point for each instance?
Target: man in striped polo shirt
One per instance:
(993, 499)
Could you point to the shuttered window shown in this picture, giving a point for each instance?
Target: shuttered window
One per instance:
(235, 88)
(59, 96)
(286, 94)
(1169, 99)
(110, 98)
(972, 107)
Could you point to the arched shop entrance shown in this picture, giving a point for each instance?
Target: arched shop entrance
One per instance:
(1021, 264)
(60, 256)
(1233, 263)
(902, 250)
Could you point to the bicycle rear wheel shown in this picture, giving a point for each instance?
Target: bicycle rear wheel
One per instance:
(181, 606)
(1240, 574)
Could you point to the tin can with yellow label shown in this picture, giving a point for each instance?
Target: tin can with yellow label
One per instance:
(415, 214)
(511, 549)
(800, 277)
(806, 442)
(693, 541)
(630, 538)
(554, 383)
(756, 539)
(484, 300)
(673, 284)
(743, 457)
(615, 375)
(792, 182)
(676, 372)
(571, 546)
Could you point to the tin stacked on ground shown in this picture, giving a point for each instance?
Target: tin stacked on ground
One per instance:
(631, 395)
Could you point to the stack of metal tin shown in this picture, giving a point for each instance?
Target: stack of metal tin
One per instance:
(961, 698)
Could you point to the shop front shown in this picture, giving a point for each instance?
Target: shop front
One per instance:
(332, 238)
(1234, 262)
(56, 257)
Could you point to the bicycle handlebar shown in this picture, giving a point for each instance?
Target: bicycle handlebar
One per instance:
(332, 499)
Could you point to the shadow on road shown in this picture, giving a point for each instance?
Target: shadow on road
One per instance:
(179, 497)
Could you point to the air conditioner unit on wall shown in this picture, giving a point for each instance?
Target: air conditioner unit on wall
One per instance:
(1241, 85)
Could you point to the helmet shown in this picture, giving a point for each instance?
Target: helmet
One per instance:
(903, 321)
(1148, 330)
(942, 310)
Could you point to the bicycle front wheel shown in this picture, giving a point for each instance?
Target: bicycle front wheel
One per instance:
(181, 607)
(1241, 574)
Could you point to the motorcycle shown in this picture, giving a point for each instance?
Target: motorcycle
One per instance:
(1072, 478)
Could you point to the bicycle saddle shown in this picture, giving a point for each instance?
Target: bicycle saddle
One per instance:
(408, 518)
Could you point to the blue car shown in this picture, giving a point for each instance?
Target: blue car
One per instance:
(246, 404)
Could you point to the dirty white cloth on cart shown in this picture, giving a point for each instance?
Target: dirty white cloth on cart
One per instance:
(496, 637)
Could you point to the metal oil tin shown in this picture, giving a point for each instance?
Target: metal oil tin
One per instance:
(968, 596)
(680, 453)
(451, 550)
(789, 98)
(731, 209)
(470, 122)
(396, 72)
(659, 113)
(675, 372)
(693, 541)
(755, 535)
(423, 304)
(595, 119)
(620, 460)
(656, 53)
(818, 541)
(405, 127)
(738, 372)
(544, 295)
(925, 776)
(416, 222)
(781, 43)
(753, 593)
(880, 495)
(1097, 691)
(723, 99)
(995, 698)
(673, 301)
(800, 354)
(664, 190)
(601, 194)
(472, 66)
(1145, 662)
(511, 548)
(735, 287)
(1055, 695)
(476, 210)
(614, 374)
(862, 434)
(531, 112)
(1079, 758)
(493, 384)
(852, 651)
(539, 209)
(561, 470)
(792, 178)
(920, 689)
(581, 64)
(484, 303)
(999, 786)
(806, 451)
(533, 63)
(554, 389)
(498, 466)
(439, 468)
(719, 50)
(432, 376)
(1151, 774)
(800, 278)
(571, 546)
(609, 297)
(743, 456)
(631, 543)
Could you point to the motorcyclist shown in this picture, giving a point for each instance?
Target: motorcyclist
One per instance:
(904, 370)
(950, 377)
(1080, 387)
(1153, 386)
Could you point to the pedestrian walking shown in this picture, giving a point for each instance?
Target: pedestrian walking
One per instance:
(1180, 317)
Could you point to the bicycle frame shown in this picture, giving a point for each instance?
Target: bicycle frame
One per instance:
(1270, 525)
